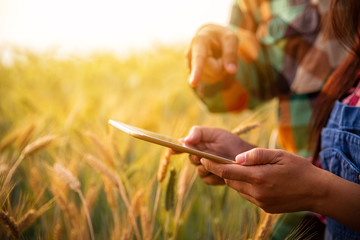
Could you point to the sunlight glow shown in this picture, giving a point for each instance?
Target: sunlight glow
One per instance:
(83, 25)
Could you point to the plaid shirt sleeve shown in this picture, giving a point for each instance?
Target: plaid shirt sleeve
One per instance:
(282, 53)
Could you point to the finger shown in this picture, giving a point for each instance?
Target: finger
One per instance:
(239, 186)
(212, 179)
(201, 171)
(230, 46)
(259, 156)
(199, 53)
(244, 189)
(199, 135)
(231, 171)
(195, 160)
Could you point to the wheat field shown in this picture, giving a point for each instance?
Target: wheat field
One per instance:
(66, 174)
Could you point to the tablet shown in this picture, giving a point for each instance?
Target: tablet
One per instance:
(166, 141)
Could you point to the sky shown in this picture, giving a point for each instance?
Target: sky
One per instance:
(76, 26)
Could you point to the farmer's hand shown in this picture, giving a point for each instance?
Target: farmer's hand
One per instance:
(216, 141)
(212, 54)
(275, 180)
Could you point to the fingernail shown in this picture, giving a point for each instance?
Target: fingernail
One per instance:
(191, 79)
(231, 67)
(186, 139)
(241, 158)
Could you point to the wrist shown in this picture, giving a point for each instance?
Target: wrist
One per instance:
(320, 190)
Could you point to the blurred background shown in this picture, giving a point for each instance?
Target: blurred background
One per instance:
(83, 26)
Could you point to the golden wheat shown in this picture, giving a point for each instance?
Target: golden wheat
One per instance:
(265, 226)
(27, 220)
(137, 201)
(245, 129)
(107, 156)
(38, 145)
(24, 139)
(75, 185)
(57, 232)
(164, 162)
(145, 223)
(102, 169)
(108, 188)
(8, 140)
(91, 195)
(29, 149)
(10, 223)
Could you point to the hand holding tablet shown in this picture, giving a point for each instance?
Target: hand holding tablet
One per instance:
(166, 142)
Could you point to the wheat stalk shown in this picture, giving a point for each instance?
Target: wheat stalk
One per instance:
(184, 185)
(27, 220)
(91, 195)
(266, 226)
(63, 205)
(9, 222)
(57, 232)
(136, 202)
(156, 205)
(145, 223)
(245, 129)
(102, 169)
(75, 185)
(109, 194)
(3, 168)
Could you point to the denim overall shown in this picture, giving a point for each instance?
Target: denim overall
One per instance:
(340, 145)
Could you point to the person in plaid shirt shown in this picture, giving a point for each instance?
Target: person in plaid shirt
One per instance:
(286, 49)
(270, 49)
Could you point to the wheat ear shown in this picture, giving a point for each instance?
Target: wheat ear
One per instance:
(164, 162)
(30, 216)
(107, 156)
(11, 224)
(29, 149)
(102, 169)
(25, 138)
(75, 185)
(9, 139)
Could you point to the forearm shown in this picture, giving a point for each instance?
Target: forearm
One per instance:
(340, 200)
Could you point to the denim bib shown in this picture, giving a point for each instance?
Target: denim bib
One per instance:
(340, 145)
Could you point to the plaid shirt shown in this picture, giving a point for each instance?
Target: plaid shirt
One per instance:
(284, 53)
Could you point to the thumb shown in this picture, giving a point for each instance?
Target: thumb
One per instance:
(257, 156)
